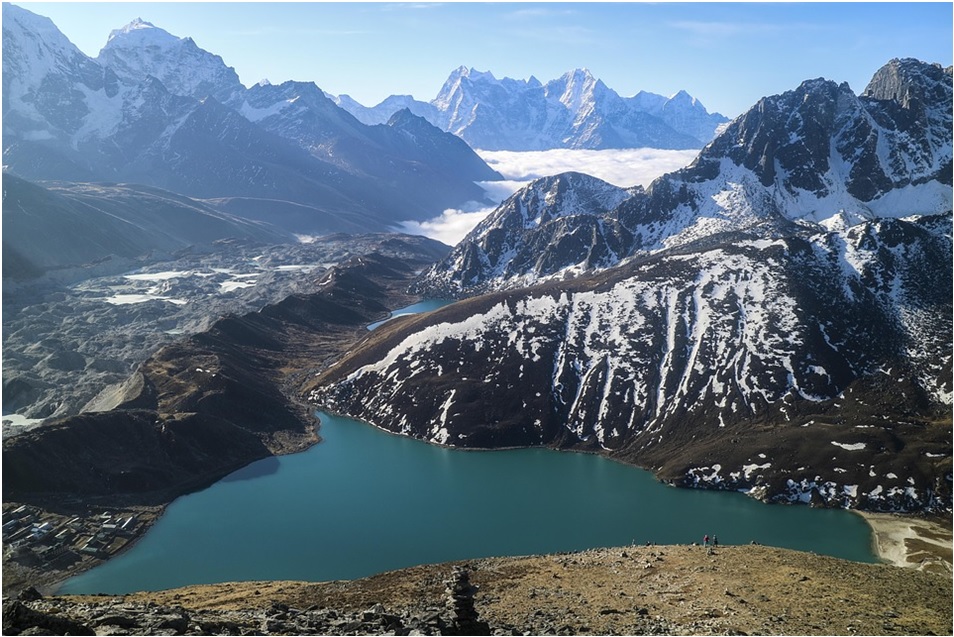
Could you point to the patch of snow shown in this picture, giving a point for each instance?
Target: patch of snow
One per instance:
(855, 446)
(231, 286)
(158, 276)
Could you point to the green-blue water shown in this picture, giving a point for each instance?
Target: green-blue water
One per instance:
(417, 308)
(365, 501)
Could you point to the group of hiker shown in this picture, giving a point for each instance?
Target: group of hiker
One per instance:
(705, 540)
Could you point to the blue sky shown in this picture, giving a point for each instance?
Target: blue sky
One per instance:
(726, 55)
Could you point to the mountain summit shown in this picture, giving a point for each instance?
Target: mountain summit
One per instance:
(140, 49)
(576, 110)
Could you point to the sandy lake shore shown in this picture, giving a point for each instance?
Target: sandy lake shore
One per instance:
(912, 542)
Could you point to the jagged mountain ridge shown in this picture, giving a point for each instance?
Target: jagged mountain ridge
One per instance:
(166, 116)
(406, 150)
(815, 157)
(781, 331)
(430, 162)
(575, 110)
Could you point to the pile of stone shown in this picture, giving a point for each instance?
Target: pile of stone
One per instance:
(460, 604)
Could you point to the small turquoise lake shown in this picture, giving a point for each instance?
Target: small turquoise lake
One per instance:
(365, 501)
(418, 308)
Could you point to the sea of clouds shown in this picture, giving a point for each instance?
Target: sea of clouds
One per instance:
(624, 168)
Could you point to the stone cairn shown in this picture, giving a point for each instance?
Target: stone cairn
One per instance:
(460, 604)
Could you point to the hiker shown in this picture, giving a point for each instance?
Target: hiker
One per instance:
(705, 540)
(715, 540)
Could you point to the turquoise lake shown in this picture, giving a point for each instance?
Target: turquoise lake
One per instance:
(365, 501)
(417, 308)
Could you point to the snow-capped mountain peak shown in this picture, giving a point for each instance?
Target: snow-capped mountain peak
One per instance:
(459, 82)
(38, 64)
(902, 80)
(575, 89)
(140, 27)
(141, 48)
(682, 97)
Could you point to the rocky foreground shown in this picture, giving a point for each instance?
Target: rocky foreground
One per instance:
(690, 590)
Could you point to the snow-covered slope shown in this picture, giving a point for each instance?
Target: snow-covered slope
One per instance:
(817, 157)
(752, 358)
(575, 110)
(52, 92)
(554, 227)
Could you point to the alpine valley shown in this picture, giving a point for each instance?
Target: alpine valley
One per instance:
(190, 267)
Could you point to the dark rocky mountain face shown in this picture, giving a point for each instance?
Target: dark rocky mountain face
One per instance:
(415, 167)
(158, 110)
(866, 146)
(554, 225)
(817, 157)
(573, 111)
(772, 319)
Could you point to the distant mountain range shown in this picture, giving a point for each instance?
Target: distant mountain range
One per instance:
(774, 318)
(575, 110)
(157, 110)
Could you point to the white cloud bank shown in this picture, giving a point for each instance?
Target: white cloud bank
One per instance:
(624, 168)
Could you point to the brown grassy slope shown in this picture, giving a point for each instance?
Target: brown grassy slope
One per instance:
(738, 589)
